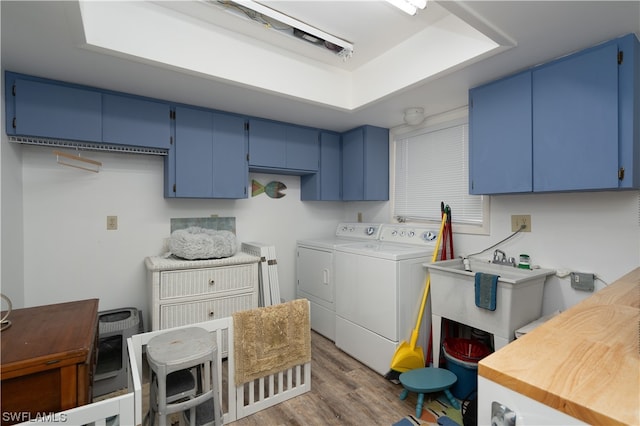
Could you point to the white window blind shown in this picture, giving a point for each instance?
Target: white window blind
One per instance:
(431, 166)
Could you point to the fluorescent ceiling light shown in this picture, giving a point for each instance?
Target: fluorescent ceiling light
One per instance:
(409, 6)
(285, 24)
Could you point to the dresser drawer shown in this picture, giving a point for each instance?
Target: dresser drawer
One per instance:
(177, 314)
(194, 282)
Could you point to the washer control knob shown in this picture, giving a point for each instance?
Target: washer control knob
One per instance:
(428, 236)
(370, 230)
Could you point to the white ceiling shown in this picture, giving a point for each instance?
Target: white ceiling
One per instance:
(296, 82)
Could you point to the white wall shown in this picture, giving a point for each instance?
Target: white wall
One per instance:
(596, 232)
(11, 241)
(69, 253)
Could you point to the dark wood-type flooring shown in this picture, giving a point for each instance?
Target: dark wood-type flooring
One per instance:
(343, 392)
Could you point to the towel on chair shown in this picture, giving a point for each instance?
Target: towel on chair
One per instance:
(486, 290)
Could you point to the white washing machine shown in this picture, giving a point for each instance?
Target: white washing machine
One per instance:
(379, 288)
(315, 272)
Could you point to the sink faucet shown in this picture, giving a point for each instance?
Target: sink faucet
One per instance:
(500, 258)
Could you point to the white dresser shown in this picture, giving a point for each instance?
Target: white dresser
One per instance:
(190, 291)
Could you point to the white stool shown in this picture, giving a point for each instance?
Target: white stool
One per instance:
(183, 375)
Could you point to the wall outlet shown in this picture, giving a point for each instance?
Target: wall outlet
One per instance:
(112, 223)
(582, 281)
(517, 220)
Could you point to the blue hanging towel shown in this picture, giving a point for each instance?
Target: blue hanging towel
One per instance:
(486, 290)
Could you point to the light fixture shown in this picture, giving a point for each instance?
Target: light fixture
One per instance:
(414, 116)
(409, 6)
(285, 24)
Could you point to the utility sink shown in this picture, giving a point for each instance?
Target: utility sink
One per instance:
(518, 298)
(508, 274)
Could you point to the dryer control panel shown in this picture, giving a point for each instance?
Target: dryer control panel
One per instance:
(407, 234)
(359, 230)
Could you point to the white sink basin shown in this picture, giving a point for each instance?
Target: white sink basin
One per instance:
(508, 274)
(518, 297)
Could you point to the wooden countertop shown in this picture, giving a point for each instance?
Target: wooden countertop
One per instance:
(584, 362)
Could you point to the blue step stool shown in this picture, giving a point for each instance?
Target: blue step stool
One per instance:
(428, 380)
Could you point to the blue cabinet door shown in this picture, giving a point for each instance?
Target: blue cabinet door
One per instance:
(55, 111)
(326, 184)
(135, 122)
(330, 166)
(303, 149)
(210, 155)
(353, 165)
(267, 144)
(365, 164)
(500, 136)
(575, 122)
(230, 165)
(376, 163)
(194, 153)
(277, 147)
(629, 111)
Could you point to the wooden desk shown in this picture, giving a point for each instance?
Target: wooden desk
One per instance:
(48, 359)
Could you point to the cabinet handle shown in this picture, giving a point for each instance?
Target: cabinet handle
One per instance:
(212, 282)
(211, 313)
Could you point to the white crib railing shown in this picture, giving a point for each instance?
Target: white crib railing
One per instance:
(268, 391)
(238, 402)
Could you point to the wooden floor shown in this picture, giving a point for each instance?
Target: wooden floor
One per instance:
(343, 392)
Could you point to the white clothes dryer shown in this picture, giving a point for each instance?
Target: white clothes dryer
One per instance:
(379, 288)
(315, 272)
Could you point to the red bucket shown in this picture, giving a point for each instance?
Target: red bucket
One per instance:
(466, 349)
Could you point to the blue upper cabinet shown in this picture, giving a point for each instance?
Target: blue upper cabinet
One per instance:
(583, 130)
(575, 122)
(365, 164)
(303, 148)
(325, 185)
(133, 121)
(42, 109)
(210, 155)
(500, 136)
(629, 112)
(267, 144)
(276, 147)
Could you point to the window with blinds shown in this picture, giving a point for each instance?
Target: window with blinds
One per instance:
(431, 165)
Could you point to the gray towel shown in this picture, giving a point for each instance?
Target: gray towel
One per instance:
(486, 290)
